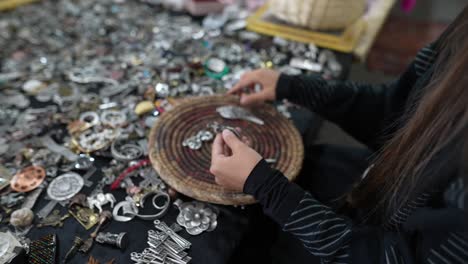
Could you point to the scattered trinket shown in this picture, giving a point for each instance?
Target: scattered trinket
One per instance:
(237, 112)
(196, 217)
(28, 179)
(118, 240)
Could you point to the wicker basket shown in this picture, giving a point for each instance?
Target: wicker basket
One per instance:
(187, 171)
(318, 14)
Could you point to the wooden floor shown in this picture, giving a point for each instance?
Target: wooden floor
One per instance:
(399, 41)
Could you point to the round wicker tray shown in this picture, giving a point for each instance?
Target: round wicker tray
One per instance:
(187, 171)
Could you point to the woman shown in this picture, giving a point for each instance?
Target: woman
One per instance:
(409, 205)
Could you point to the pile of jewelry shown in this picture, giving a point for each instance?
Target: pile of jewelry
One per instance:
(81, 84)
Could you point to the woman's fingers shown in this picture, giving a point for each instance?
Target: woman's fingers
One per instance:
(218, 147)
(247, 79)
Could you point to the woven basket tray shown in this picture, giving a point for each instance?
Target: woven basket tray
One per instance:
(319, 14)
(187, 171)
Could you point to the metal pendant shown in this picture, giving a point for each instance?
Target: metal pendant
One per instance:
(237, 112)
(196, 142)
(85, 216)
(118, 240)
(55, 219)
(196, 217)
(101, 199)
(65, 186)
(28, 179)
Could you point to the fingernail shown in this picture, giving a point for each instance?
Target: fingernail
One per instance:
(227, 132)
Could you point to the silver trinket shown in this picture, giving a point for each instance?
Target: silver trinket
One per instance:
(65, 186)
(195, 142)
(237, 112)
(99, 200)
(118, 240)
(196, 217)
(113, 118)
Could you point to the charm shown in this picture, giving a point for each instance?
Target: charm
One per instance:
(28, 179)
(78, 208)
(129, 210)
(88, 243)
(162, 90)
(196, 217)
(113, 118)
(22, 218)
(61, 189)
(165, 246)
(117, 240)
(195, 142)
(216, 68)
(53, 220)
(218, 128)
(65, 186)
(103, 218)
(77, 242)
(182, 242)
(205, 135)
(101, 199)
(237, 112)
(123, 151)
(95, 139)
(130, 207)
(85, 216)
(92, 118)
(78, 200)
(32, 197)
(11, 200)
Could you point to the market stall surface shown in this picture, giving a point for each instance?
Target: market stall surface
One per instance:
(81, 84)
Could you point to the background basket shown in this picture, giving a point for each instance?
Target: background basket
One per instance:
(187, 171)
(318, 14)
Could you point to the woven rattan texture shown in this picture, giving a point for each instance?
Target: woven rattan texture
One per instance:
(319, 14)
(187, 171)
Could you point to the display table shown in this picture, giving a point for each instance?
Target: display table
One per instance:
(62, 59)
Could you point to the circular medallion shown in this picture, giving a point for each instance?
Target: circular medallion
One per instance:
(65, 186)
(28, 179)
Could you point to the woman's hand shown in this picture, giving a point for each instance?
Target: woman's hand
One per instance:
(267, 80)
(232, 161)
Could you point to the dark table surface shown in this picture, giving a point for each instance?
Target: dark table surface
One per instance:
(218, 246)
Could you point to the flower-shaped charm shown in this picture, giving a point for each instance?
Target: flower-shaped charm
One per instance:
(196, 217)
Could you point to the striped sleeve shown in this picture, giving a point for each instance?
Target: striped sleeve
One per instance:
(364, 111)
(453, 250)
(335, 238)
(324, 233)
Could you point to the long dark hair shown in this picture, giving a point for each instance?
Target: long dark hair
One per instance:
(432, 143)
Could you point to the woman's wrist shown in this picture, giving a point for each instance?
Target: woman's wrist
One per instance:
(257, 177)
(277, 196)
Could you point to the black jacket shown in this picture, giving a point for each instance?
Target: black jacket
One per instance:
(426, 233)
